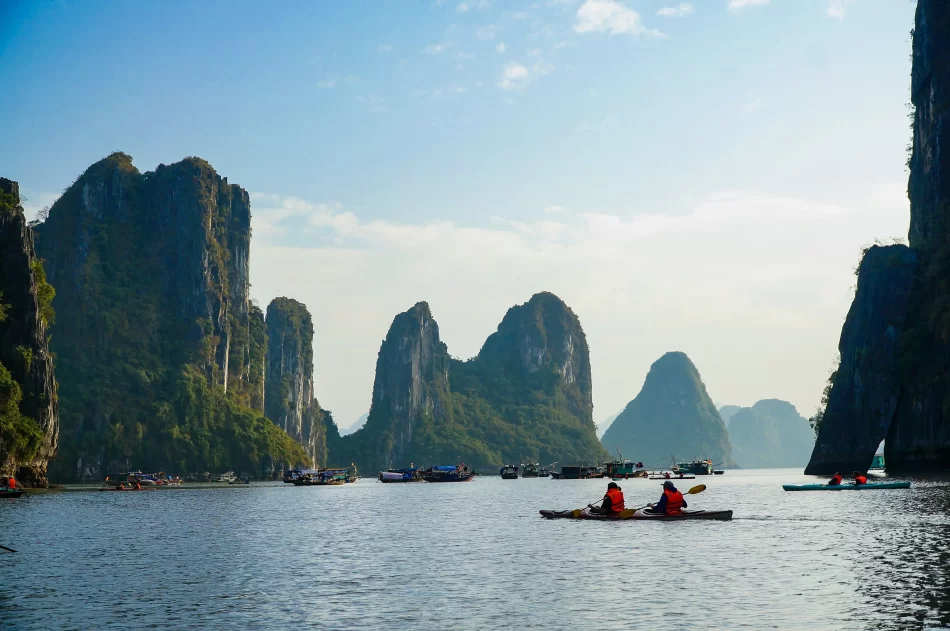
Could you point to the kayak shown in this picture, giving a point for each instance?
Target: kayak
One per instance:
(11, 493)
(115, 488)
(870, 486)
(722, 515)
(673, 477)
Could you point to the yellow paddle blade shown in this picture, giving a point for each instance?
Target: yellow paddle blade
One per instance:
(627, 513)
(576, 513)
(699, 488)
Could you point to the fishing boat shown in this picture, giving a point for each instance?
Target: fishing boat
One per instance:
(870, 486)
(227, 476)
(321, 477)
(244, 481)
(448, 473)
(530, 470)
(623, 469)
(640, 514)
(670, 476)
(577, 473)
(694, 467)
(397, 476)
(291, 474)
(509, 472)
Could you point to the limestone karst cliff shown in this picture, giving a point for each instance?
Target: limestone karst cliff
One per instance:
(672, 415)
(527, 393)
(289, 397)
(894, 377)
(159, 351)
(29, 418)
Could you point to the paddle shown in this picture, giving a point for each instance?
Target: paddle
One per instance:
(8, 549)
(627, 513)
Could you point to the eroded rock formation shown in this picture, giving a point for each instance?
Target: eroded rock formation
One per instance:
(29, 421)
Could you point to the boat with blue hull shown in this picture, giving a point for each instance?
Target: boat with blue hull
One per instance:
(870, 486)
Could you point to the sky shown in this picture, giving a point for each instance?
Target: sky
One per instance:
(687, 176)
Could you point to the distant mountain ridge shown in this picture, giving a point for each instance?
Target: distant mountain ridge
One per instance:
(771, 433)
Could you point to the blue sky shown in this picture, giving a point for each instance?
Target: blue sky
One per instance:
(687, 176)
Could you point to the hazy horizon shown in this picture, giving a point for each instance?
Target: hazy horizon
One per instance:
(696, 177)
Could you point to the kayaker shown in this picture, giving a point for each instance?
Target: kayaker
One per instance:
(859, 479)
(612, 502)
(835, 480)
(11, 483)
(671, 503)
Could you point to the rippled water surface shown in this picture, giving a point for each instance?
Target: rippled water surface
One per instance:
(476, 556)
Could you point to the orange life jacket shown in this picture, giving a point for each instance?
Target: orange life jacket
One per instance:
(615, 497)
(11, 483)
(860, 479)
(835, 481)
(674, 502)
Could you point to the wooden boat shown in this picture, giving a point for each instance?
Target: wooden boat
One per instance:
(509, 472)
(577, 473)
(529, 470)
(870, 486)
(401, 476)
(641, 514)
(694, 467)
(678, 476)
(244, 481)
(448, 473)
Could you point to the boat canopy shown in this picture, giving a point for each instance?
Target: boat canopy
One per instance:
(444, 468)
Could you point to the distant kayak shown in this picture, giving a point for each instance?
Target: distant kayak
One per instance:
(721, 515)
(11, 493)
(871, 486)
(673, 477)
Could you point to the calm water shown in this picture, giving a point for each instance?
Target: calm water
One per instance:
(476, 556)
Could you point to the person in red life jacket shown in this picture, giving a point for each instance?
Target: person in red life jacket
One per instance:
(11, 483)
(672, 502)
(859, 479)
(612, 502)
(835, 480)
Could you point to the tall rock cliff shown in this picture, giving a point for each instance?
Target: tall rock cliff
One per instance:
(289, 397)
(895, 344)
(769, 434)
(526, 394)
(672, 415)
(155, 321)
(29, 417)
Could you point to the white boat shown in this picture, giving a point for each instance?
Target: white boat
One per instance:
(227, 477)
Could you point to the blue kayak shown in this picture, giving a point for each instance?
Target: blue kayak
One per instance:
(870, 486)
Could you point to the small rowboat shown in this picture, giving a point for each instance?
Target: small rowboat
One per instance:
(871, 486)
(721, 515)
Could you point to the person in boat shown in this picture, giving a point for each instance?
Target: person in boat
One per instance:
(671, 503)
(835, 480)
(612, 502)
(859, 479)
(11, 483)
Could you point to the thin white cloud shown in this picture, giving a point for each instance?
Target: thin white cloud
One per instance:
(739, 5)
(838, 8)
(513, 76)
(487, 31)
(500, 47)
(554, 209)
(754, 105)
(384, 48)
(435, 49)
(607, 16)
(462, 7)
(373, 102)
(682, 10)
(329, 82)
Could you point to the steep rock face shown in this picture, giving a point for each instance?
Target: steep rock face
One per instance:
(929, 183)
(866, 388)
(672, 415)
(912, 404)
(771, 433)
(152, 276)
(29, 417)
(526, 394)
(289, 399)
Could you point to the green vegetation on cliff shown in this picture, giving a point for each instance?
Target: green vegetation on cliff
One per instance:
(159, 352)
(526, 394)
